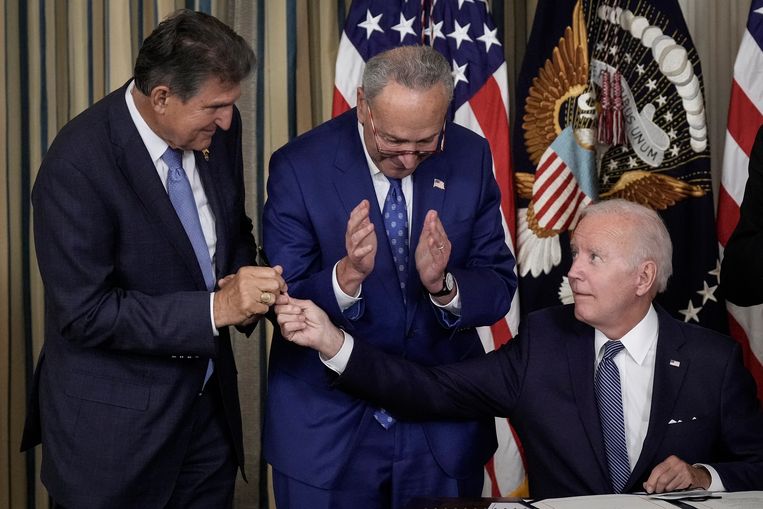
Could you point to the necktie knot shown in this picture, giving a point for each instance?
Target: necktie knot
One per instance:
(173, 158)
(612, 348)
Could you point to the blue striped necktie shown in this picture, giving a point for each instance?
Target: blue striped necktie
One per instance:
(181, 196)
(610, 400)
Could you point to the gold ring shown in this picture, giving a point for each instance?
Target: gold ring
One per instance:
(266, 298)
(441, 247)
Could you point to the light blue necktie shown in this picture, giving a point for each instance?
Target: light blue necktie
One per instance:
(181, 196)
(610, 400)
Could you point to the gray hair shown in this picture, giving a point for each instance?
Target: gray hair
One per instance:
(651, 240)
(414, 67)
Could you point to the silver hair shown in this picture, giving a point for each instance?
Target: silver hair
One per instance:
(414, 67)
(650, 241)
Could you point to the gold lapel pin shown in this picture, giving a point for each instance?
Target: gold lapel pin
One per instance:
(205, 153)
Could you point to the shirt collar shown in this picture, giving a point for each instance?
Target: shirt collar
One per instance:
(636, 341)
(154, 144)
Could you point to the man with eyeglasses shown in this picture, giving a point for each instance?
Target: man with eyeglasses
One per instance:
(398, 237)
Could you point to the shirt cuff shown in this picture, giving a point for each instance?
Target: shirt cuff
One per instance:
(338, 363)
(344, 300)
(716, 484)
(453, 307)
(215, 332)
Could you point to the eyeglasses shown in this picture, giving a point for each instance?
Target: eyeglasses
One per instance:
(439, 147)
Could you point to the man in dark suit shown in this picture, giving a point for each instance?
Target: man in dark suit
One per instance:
(686, 413)
(340, 201)
(139, 209)
(742, 268)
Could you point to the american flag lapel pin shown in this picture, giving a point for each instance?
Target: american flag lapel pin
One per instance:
(439, 184)
(675, 363)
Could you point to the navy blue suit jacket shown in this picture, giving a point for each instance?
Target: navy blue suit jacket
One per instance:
(128, 332)
(314, 184)
(543, 380)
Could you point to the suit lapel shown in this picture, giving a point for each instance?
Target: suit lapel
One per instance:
(426, 197)
(206, 172)
(580, 352)
(670, 369)
(353, 184)
(135, 163)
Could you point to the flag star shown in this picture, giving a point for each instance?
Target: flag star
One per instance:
(460, 34)
(672, 134)
(640, 69)
(462, 2)
(668, 116)
(661, 100)
(632, 163)
(674, 150)
(489, 37)
(623, 149)
(599, 46)
(405, 27)
(628, 58)
(707, 293)
(459, 73)
(613, 50)
(434, 31)
(371, 24)
(690, 313)
(612, 164)
(717, 270)
(651, 84)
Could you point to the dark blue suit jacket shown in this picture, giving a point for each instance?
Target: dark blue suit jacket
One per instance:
(314, 184)
(128, 332)
(543, 380)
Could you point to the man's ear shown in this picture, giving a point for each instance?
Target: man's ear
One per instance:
(646, 277)
(159, 96)
(361, 106)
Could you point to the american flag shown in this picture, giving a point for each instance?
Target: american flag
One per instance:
(465, 33)
(745, 116)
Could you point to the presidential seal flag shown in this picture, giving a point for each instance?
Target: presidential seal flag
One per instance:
(465, 33)
(745, 117)
(611, 105)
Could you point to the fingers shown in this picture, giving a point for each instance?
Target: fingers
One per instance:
(672, 474)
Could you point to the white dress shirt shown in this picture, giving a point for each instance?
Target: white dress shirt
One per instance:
(636, 365)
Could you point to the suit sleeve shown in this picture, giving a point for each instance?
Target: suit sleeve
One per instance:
(742, 269)
(741, 415)
(290, 240)
(486, 280)
(485, 386)
(85, 285)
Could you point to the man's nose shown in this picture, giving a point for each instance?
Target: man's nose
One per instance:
(224, 118)
(410, 161)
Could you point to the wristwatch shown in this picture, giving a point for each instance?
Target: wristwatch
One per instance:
(448, 283)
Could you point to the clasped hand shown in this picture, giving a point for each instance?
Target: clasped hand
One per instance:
(247, 294)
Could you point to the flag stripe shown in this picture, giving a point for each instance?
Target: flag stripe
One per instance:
(745, 106)
(742, 114)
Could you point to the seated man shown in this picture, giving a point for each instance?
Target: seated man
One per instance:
(608, 395)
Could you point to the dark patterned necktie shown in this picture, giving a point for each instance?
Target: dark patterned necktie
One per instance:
(395, 216)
